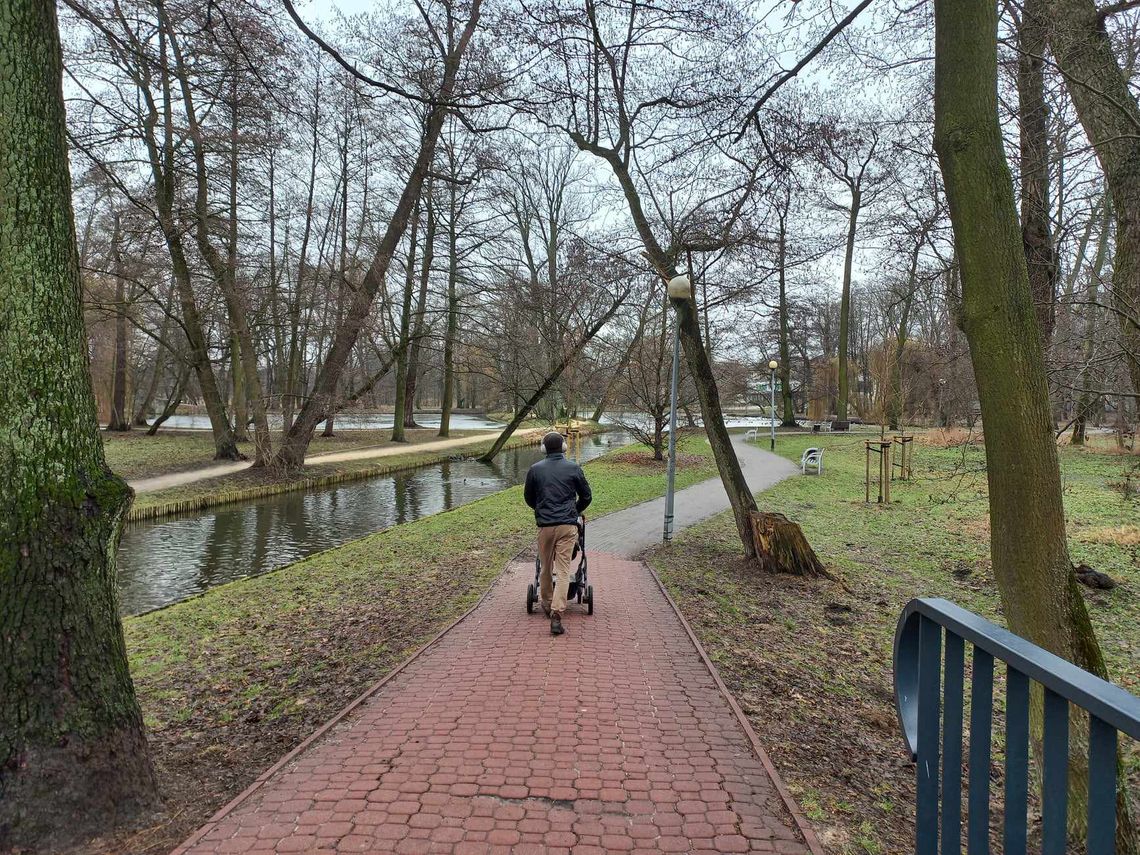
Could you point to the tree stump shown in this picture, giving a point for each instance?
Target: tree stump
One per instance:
(782, 548)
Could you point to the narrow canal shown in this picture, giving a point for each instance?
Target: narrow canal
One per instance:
(165, 560)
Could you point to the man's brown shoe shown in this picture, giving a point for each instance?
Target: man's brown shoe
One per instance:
(545, 609)
(556, 624)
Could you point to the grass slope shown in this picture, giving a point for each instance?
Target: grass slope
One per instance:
(232, 680)
(136, 455)
(810, 661)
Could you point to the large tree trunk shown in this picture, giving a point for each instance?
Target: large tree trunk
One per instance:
(700, 368)
(739, 496)
(896, 404)
(447, 396)
(118, 420)
(785, 367)
(398, 432)
(323, 396)
(162, 162)
(1034, 575)
(160, 353)
(420, 328)
(782, 548)
(239, 400)
(1110, 116)
(1036, 228)
(172, 402)
(223, 270)
(73, 753)
(1087, 400)
(841, 421)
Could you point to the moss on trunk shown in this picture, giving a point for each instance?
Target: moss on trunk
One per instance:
(1034, 575)
(73, 756)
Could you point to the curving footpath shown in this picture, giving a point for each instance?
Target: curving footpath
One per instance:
(499, 738)
(192, 476)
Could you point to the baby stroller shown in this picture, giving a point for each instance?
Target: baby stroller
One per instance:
(580, 589)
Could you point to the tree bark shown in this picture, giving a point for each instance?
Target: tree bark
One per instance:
(322, 399)
(1036, 228)
(782, 548)
(223, 270)
(162, 163)
(447, 396)
(785, 367)
(239, 400)
(118, 420)
(1110, 116)
(897, 404)
(293, 371)
(398, 431)
(727, 464)
(73, 753)
(419, 330)
(1087, 400)
(159, 362)
(1035, 578)
(841, 422)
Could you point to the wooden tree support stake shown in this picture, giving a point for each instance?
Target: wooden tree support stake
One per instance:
(881, 447)
(782, 548)
(905, 463)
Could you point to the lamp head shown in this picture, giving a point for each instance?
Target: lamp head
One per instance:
(773, 365)
(679, 287)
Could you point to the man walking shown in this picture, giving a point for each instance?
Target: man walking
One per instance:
(558, 491)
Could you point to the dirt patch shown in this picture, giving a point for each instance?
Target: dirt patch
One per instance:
(831, 729)
(949, 437)
(1124, 535)
(645, 458)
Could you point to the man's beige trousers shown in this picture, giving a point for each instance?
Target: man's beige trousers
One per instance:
(555, 549)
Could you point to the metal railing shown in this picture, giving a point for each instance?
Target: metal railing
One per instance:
(930, 711)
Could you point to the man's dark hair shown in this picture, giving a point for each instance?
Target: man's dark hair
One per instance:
(552, 442)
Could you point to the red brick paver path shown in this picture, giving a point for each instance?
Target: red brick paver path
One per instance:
(503, 739)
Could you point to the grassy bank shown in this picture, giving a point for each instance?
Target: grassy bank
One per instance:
(232, 680)
(831, 728)
(136, 455)
(250, 484)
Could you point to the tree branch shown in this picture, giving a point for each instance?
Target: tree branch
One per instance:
(753, 114)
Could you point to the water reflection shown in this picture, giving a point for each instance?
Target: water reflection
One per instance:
(162, 561)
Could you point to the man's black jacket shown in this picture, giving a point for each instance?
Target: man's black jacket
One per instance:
(557, 490)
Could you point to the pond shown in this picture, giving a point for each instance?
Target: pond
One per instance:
(165, 560)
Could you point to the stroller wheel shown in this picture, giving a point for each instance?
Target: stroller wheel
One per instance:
(589, 599)
(531, 598)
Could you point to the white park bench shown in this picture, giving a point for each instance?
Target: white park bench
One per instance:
(812, 458)
(752, 435)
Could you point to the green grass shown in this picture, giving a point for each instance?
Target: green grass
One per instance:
(245, 671)
(251, 484)
(136, 455)
(811, 660)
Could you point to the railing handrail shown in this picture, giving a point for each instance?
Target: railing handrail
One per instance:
(1108, 702)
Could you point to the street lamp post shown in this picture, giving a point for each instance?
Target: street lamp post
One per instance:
(772, 389)
(941, 386)
(678, 288)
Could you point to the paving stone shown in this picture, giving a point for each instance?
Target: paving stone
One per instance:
(502, 738)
